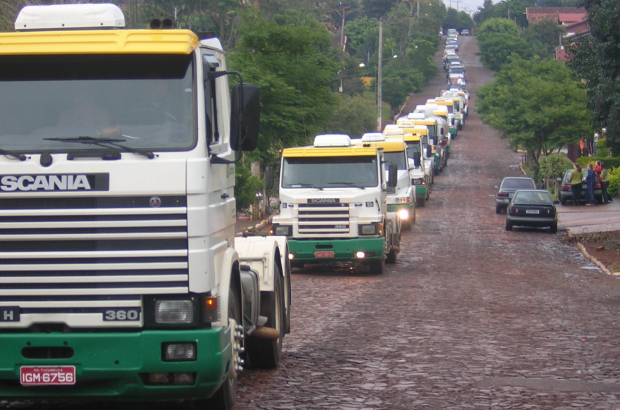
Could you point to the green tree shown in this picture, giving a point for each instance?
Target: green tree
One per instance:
(494, 26)
(495, 49)
(399, 80)
(295, 67)
(543, 37)
(377, 8)
(536, 104)
(596, 59)
(551, 168)
(352, 116)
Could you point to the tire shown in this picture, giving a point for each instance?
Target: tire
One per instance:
(508, 226)
(562, 201)
(226, 396)
(498, 209)
(554, 227)
(460, 127)
(421, 202)
(377, 267)
(266, 353)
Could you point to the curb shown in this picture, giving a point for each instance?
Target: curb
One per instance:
(593, 259)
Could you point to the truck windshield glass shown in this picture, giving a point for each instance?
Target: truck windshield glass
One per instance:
(146, 100)
(396, 158)
(412, 149)
(330, 172)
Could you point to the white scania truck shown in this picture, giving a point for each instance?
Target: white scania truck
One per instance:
(120, 274)
(333, 204)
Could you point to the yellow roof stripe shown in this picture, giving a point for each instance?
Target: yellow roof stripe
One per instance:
(391, 144)
(329, 152)
(98, 42)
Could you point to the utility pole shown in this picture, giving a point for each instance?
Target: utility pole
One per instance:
(379, 75)
(457, 4)
(344, 13)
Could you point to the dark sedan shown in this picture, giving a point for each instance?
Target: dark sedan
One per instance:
(566, 194)
(507, 188)
(532, 207)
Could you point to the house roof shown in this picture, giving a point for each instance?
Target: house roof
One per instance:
(535, 14)
(566, 18)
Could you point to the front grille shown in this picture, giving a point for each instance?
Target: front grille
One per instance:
(324, 219)
(83, 257)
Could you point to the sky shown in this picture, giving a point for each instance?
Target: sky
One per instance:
(470, 6)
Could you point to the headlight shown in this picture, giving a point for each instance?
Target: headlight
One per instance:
(368, 229)
(282, 230)
(174, 312)
(179, 352)
(403, 214)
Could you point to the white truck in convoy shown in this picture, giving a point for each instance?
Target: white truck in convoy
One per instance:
(333, 204)
(121, 275)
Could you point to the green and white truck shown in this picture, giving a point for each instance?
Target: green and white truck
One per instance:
(333, 204)
(121, 277)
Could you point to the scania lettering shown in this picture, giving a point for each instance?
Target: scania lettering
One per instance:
(122, 277)
(333, 204)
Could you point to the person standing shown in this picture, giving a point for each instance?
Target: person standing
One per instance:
(605, 183)
(582, 146)
(591, 180)
(576, 177)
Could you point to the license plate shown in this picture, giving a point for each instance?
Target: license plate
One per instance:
(532, 211)
(47, 375)
(324, 254)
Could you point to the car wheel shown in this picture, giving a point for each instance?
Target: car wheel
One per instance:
(508, 226)
(554, 227)
(498, 209)
(562, 201)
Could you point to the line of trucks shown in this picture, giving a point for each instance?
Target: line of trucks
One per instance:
(347, 199)
(120, 274)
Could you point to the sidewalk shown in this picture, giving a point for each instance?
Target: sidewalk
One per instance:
(244, 224)
(587, 219)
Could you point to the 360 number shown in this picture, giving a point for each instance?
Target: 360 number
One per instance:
(121, 315)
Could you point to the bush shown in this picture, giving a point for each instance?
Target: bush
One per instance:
(614, 181)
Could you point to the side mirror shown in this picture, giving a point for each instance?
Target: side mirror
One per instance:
(429, 151)
(245, 117)
(559, 180)
(269, 178)
(410, 163)
(392, 176)
(431, 142)
(416, 159)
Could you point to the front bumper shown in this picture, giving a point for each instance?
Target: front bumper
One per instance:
(113, 365)
(306, 250)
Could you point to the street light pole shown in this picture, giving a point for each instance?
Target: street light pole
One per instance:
(379, 75)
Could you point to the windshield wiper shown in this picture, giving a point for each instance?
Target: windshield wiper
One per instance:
(16, 155)
(114, 142)
(341, 183)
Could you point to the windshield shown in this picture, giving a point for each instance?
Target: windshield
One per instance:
(397, 158)
(145, 101)
(329, 172)
(514, 183)
(412, 149)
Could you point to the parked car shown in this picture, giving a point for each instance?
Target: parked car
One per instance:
(455, 44)
(449, 47)
(449, 58)
(532, 207)
(566, 194)
(508, 187)
(465, 32)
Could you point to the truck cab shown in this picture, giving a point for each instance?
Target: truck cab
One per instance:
(118, 213)
(333, 204)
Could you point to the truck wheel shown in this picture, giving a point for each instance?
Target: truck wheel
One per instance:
(377, 267)
(421, 202)
(226, 396)
(266, 353)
